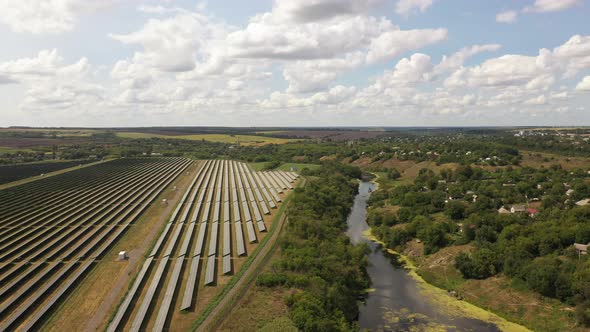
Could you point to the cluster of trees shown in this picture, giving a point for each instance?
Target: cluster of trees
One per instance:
(552, 141)
(317, 257)
(456, 148)
(460, 206)
(17, 157)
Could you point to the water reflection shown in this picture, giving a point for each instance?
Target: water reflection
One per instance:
(395, 302)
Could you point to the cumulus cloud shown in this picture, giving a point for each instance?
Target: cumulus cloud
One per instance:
(544, 6)
(172, 44)
(185, 64)
(508, 16)
(506, 70)
(396, 42)
(335, 95)
(46, 17)
(317, 10)
(51, 83)
(47, 64)
(314, 75)
(406, 7)
(268, 37)
(457, 59)
(584, 85)
(532, 72)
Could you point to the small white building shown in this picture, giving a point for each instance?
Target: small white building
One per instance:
(581, 249)
(517, 208)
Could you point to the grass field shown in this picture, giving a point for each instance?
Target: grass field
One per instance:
(222, 138)
(284, 167)
(6, 149)
(545, 159)
(497, 294)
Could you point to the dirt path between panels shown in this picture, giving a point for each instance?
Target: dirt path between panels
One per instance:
(97, 296)
(233, 295)
(136, 255)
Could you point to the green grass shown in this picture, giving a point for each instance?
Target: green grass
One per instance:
(283, 324)
(6, 149)
(219, 296)
(286, 167)
(258, 166)
(221, 138)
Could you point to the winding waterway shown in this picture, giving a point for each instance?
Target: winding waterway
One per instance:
(396, 302)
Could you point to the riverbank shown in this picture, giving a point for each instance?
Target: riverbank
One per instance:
(450, 305)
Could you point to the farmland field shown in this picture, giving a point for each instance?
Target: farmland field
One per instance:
(221, 138)
(217, 224)
(53, 231)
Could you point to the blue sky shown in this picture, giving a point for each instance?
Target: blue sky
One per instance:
(294, 63)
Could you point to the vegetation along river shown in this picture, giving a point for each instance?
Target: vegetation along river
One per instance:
(399, 300)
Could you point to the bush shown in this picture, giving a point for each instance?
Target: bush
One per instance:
(455, 210)
(483, 263)
(393, 174)
(269, 279)
(583, 314)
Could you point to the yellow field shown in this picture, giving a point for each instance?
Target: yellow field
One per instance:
(6, 149)
(222, 138)
(59, 132)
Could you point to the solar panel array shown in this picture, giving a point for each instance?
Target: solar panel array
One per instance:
(222, 208)
(53, 230)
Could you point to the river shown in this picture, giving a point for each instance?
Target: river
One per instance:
(395, 302)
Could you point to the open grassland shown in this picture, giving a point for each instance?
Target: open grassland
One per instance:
(498, 294)
(221, 138)
(408, 169)
(544, 159)
(8, 149)
(286, 167)
(259, 307)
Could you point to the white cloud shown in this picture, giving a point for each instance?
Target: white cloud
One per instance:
(47, 64)
(508, 16)
(186, 66)
(457, 59)
(335, 95)
(266, 36)
(584, 84)
(396, 42)
(48, 16)
(544, 6)
(317, 10)
(314, 75)
(539, 100)
(51, 83)
(406, 7)
(172, 44)
(572, 57)
(499, 72)
(417, 68)
(532, 72)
